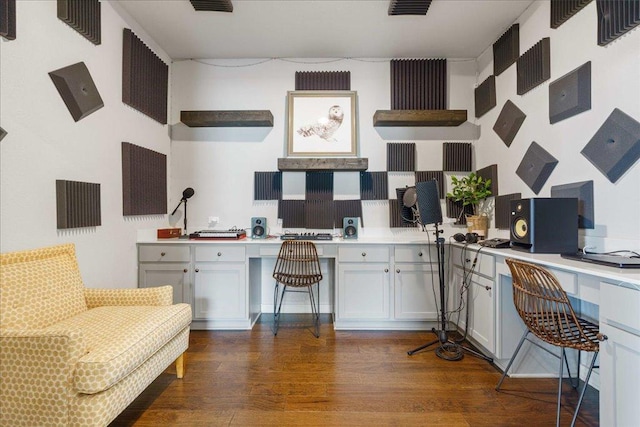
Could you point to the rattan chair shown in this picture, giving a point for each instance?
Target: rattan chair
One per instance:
(547, 313)
(297, 267)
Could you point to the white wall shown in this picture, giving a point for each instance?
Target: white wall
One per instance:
(44, 143)
(615, 83)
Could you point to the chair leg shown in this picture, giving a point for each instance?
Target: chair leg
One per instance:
(515, 353)
(315, 309)
(277, 306)
(584, 388)
(562, 361)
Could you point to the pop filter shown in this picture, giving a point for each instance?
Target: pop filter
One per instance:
(429, 202)
(409, 198)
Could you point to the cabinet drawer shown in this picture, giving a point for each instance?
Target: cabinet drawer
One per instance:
(485, 265)
(418, 253)
(220, 253)
(619, 307)
(163, 253)
(363, 254)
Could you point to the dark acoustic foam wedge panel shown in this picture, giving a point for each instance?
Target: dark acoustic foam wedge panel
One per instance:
(395, 216)
(347, 208)
(319, 214)
(506, 49)
(323, 80)
(77, 89)
(616, 17)
(503, 210)
(8, 19)
(456, 156)
(418, 84)
(319, 186)
(583, 191)
(212, 5)
(536, 167)
(459, 212)
(508, 123)
(562, 10)
(144, 181)
(408, 7)
(432, 175)
(534, 66)
(570, 94)
(83, 16)
(401, 156)
(77, 204)
(267, 186)
(374, 186)
(485, 96)
(145, 78)
(3, 133)
(616, 145)
(292, 213)
(490, 172)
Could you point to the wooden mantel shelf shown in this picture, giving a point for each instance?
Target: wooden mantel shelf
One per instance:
(227, 118)
(323, 164)
(419, 117)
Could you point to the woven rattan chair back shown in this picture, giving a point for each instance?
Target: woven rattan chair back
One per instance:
(297, 264)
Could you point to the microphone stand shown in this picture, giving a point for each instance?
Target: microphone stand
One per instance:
(183, 200)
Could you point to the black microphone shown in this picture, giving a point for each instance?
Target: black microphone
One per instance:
(187, 193)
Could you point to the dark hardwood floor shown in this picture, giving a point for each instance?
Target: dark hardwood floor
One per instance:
(343, 378)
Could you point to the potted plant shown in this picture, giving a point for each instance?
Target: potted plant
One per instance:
(472, 190)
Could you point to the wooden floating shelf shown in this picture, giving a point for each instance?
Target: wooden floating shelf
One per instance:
(328, 164)
(227, 118)
(419, 117)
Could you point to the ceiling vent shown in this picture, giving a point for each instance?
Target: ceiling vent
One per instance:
(212, 5)
(409, 7)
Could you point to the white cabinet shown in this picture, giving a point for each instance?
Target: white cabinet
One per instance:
(166, 265)
(415, 283)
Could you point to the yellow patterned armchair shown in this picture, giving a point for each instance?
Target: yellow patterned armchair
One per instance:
(74, 356)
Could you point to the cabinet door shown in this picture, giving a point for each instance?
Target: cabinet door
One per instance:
(416, 289)
(220, 291)
(363, 291)
(174, 274)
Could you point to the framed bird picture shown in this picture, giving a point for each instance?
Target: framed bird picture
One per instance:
(322, 123)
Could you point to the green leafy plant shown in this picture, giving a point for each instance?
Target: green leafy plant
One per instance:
(470, 190)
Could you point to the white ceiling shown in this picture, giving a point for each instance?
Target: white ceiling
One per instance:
(453, 29)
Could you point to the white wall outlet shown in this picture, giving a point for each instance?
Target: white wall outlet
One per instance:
(213, 220)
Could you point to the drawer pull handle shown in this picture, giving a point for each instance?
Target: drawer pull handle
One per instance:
(197, 270)
(602, 337)
(386, 270)
(397, 270)
(163, 253)
(364, 254)
(219, 253)
(420, 254)
(185, 270)
(488, 288)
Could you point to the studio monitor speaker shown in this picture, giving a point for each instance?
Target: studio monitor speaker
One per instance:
(258, 228)
(350, 228)
(545, 225)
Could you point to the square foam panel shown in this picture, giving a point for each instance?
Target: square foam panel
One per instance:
(508, 123)
(323, 80)
(456, 156)
(319, 186)
(562, 10)
(374, 186)
(459, 212)
(401, 156)
(267, 185)
(616, 17)
(83, 16)
(3, 133)
(583, 191)
(347, 208)
(395, 216)
(319, 214)
(77, 89)
(292, 213)
(536, 167)
(431, 175)
(503, 210)
(490, 172)
(616, 145)
(144, 181)
(77, 204)
(534, 66)
(8, 19)
(570, 94)
(485, 96)
(506, 49)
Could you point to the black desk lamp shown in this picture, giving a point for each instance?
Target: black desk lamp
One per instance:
(186, 194)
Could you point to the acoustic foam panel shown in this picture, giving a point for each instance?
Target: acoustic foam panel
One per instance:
(408, 7)
(406, 214)
(562, 10)
(347, 208)
(431, 175)
(459, 212)
(490, 172)
(616, 145)
(570, 94)
(267, 185)
(395, 216)
(319, 186)
(503, 210)
(401, 156)
(77, 89)
(508, 123)
(616, 17)
(418, 84)
(374, 186)
(145, 78)
(323, 80)
(212, 5)
(83, 16)
(319, 214)
(536, 167)
(485, 96)
(506, 49)
(456, 156)
(3, 133)
(583, 191)
(292, 213)
(77, 204)
(144, 181)
(8, 19)
(534, 66)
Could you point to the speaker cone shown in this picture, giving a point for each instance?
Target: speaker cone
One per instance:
(258, 231)
(520, 228)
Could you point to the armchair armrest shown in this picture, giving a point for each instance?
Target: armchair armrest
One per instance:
(161, 295)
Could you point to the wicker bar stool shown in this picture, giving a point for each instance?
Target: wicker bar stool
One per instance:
(547, 313)
(297, 267)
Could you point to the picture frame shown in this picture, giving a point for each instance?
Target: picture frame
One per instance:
(322, 123)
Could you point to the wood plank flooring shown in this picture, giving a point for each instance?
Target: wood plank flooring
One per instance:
(343, 378)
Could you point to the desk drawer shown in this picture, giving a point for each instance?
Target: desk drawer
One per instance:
(363, 254)
(164, 253)
(220, 253)
(417, 253)
(485, 265)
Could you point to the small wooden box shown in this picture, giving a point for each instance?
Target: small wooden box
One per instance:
(169, 233)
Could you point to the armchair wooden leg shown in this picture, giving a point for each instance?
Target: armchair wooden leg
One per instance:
(180, 365)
